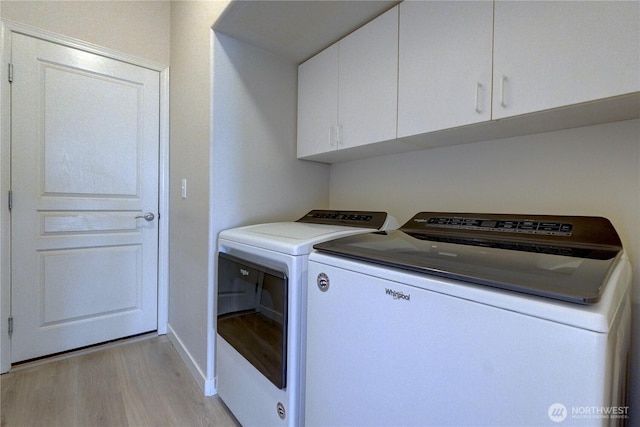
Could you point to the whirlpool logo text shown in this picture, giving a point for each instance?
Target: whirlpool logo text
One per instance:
(398, 295)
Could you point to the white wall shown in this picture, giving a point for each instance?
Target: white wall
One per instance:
(586, 171)
(255, 174)
(138, 28)
(189, 250)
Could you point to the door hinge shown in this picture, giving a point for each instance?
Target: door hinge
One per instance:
(10, 326)
(10, 73)
(10, 200)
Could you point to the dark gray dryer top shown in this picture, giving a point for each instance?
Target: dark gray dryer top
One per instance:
(567, 258)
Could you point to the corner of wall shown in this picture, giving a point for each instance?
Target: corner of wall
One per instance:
(207, 385)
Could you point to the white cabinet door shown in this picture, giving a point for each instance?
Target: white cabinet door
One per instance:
(445, 58)
(318, 103)
(553, 54)
(369, 82)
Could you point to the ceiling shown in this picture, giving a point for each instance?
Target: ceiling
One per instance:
(296, 29)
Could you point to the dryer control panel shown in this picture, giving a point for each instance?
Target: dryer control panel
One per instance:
(364, 219)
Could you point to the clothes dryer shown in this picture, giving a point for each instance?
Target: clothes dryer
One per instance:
(261, 322)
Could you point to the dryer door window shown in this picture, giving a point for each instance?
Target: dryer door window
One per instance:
(252, 314)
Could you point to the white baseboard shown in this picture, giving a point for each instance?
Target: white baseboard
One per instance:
(207, 385)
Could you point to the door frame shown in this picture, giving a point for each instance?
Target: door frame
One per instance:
(7, 28)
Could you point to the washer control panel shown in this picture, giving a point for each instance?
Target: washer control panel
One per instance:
(564, 230)
(506, 225)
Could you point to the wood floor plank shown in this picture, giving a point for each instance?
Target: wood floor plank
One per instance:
(138, 389)
(50, 389)
(140, 384)
(100, 400)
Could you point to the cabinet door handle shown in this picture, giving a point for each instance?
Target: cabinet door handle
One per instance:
(332, 136)
(478, 89)
(503, 83)
(339, 135)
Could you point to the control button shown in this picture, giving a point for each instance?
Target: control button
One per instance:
(549, 226)
(528, 226)
(566, 228)
(508, 225)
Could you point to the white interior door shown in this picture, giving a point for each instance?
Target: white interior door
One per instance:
(84, 146)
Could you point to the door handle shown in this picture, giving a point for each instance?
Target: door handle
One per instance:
(149, 216)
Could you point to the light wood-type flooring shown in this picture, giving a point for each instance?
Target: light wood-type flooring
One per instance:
(143, 383)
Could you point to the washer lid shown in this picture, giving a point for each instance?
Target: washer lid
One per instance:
(565, 258)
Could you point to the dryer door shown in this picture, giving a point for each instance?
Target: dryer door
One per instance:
(252, 314)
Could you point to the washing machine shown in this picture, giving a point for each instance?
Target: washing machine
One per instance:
(470, 319)
(261, 295)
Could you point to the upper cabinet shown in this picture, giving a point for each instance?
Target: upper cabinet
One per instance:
(444, 65)
(347, 94)
(430, 73)
(555, 54)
